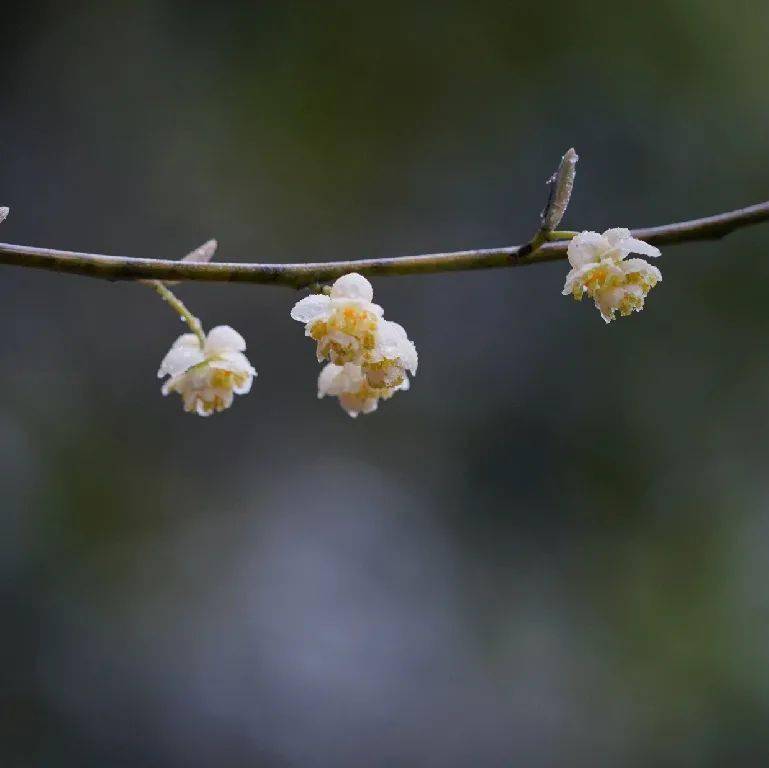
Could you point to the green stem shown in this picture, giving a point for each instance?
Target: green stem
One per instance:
(176, 304)
(536, 242)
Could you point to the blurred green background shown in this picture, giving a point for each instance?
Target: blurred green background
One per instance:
(552, 551)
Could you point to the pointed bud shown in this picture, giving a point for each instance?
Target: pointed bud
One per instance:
(203, 254)
(561, 185)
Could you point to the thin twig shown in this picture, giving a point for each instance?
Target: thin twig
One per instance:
(302, 275)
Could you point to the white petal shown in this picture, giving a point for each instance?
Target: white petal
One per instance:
(352, 286)
(181, 357)
(394, 344)
(223, 339)
(340, 380)
(168, 385)
(245, 388)
(311, 308)
(186, 340)
(632, 266)
(349, 380)
(635, 290)
(623, 240)
(391, 333)
(633, 245)
(390, 337)
(587, 248)
(236, 362)
(607, 302)
(327, 378)
(346, 301)
(577, 276)
(613, 268)
(571, 278)
(409, 356)
(617, 235)
(355, 405)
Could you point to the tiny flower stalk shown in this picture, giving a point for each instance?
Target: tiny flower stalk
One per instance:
(368, 357)
(206, 370)
(176, 304)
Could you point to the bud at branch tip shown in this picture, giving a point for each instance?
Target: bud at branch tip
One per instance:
(561, 185)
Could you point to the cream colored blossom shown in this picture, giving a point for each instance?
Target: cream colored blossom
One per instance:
(343, 323)
(350, 384)
(601, 269)
(369, 357)
(208, 376)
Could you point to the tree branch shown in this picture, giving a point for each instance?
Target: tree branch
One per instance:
(303, 275)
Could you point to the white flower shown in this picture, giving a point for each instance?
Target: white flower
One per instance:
(601, 269)
(344, 323)
(369, 357)
(350, 384)
(208, 376)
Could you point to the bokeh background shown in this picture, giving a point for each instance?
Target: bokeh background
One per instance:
(552, 551)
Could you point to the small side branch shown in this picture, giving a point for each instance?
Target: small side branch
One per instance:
(303, 275)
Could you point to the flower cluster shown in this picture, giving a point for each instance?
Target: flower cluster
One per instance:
(367, 356)
(601, 269)
(208, 374)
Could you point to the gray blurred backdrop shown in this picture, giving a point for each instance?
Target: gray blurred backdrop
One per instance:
(552, 551)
